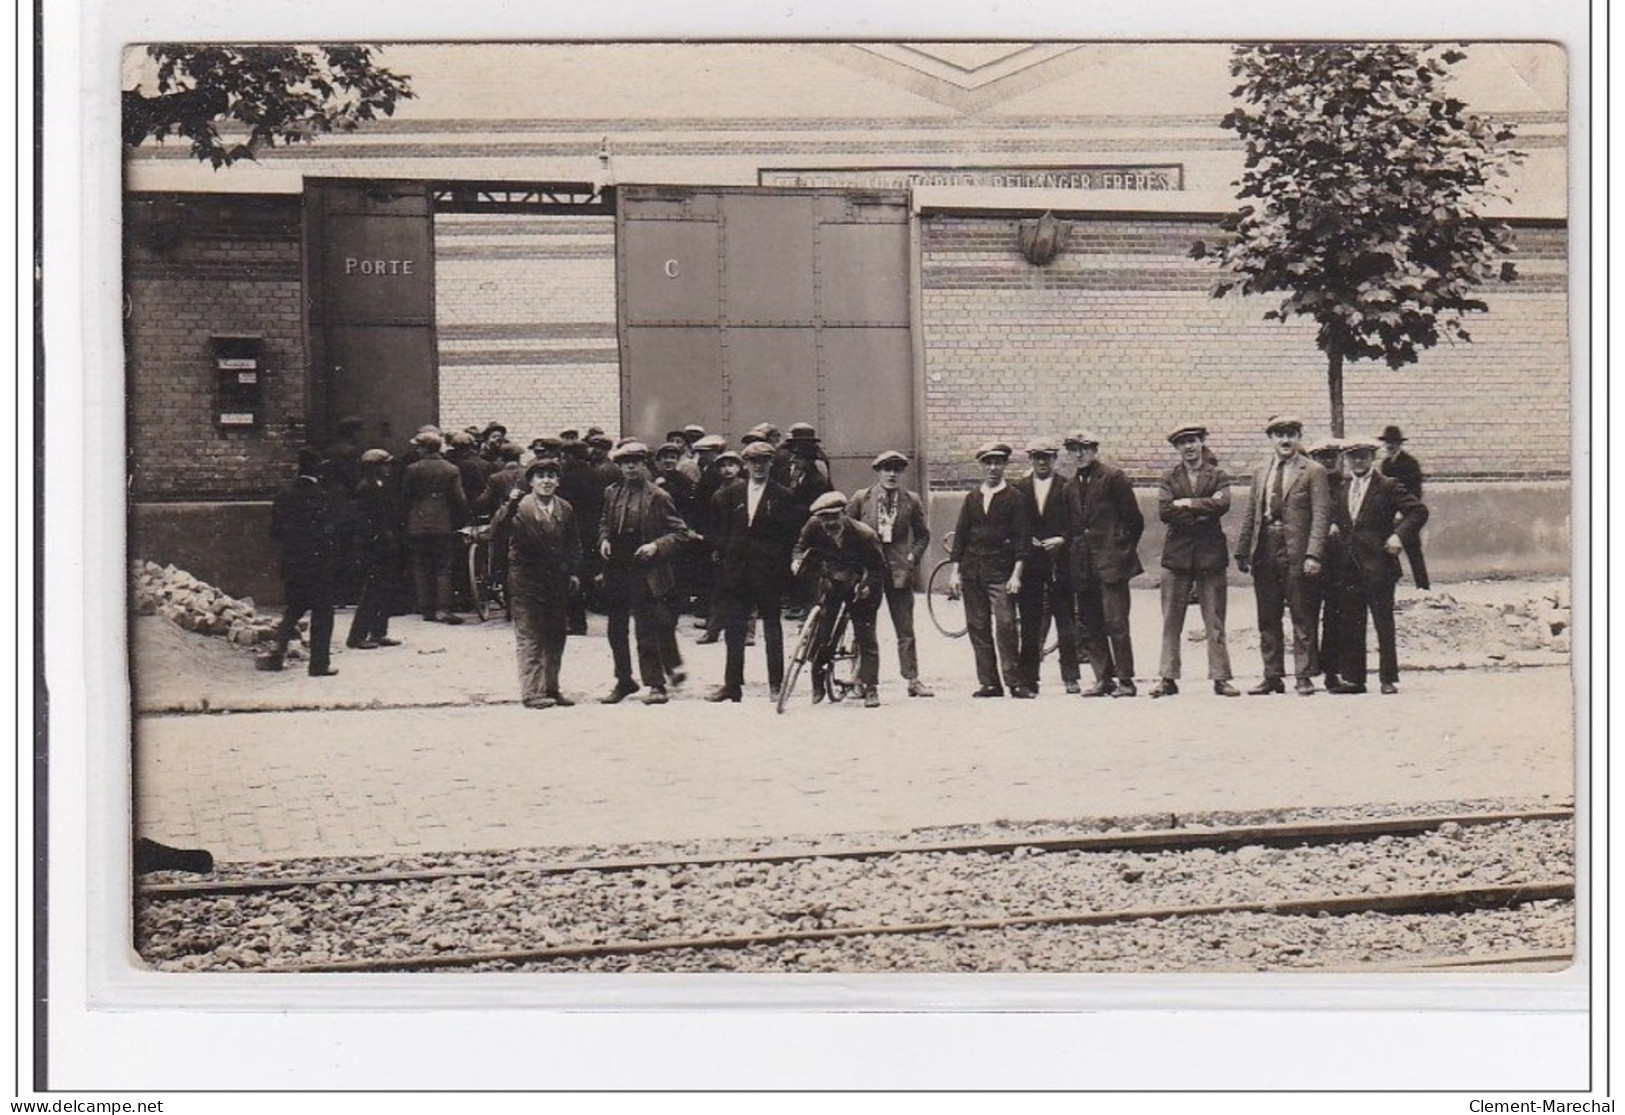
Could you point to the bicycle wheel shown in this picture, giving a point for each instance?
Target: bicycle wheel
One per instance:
(843, 664)
(478, 566)
(798, 657)
(947, 609)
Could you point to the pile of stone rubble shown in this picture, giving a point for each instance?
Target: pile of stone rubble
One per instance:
(195, 605)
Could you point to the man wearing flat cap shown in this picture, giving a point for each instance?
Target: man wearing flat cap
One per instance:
(898, 518)
(435, 505)
(1104, 527)
(754, 533)
(639, 533)
(1397, 463)
(535, 531)
(843, 555)
(302, 527)
(990, 552)
(1282, 540)
(1376, 516)
(1191, 499)
(378, 529)
(1046, 580)
(1325, 589)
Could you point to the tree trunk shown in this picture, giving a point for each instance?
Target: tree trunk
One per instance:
(1334, 382)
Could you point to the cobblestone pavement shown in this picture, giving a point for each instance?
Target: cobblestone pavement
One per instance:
(422, 748)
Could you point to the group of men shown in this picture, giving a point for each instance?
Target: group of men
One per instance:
(693, 524)
(1320, 535)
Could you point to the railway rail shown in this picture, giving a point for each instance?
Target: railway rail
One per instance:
(767, 903)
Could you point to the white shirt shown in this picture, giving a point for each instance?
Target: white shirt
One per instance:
(1041, 490)
(887, 504)
(753, 496)
(1357, 487)
(989, 493)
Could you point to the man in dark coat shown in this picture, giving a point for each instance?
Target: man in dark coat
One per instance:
(1399, 465)
(1104, 524)
(1325, 589)
(301, 525)
(898, 518)
(1376, 515)
(990, 550)
(639, 533)
(435, 506)
(755, 532)
(1281, 543)
(500, 484)
(378, 527)
(1046, 581)
(537, 533)
(1193, 496)
(683, 493)
(846, 556)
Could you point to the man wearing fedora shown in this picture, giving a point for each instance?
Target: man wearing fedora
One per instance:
(1046, 580)
(1399, 465)
(637, 536)
(1104, 526)
(897, 516)
(302, 527)
(1282, 539)
(1376, 517)
(989, 552)
(1193, 496)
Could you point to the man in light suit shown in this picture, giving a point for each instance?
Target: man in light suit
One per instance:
(1378, 516)
(1282, 539)
(897, 515)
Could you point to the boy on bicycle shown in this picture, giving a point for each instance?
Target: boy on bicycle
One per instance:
(850, 562)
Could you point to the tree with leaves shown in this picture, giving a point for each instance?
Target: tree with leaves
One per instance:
(1361, 198)
(277, 94)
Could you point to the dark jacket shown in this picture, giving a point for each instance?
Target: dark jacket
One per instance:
(1388, 509)
(543, 551)
(1305, 512)
(858, 552)
(754, 554)
(301, 526)
(378, 517)
(637, 513)
(1051, 523)
(1404, 468)
(1105, 525)
(910, 532)
(499, 485)
(988, 542)
(1195, 541)
(433, 493)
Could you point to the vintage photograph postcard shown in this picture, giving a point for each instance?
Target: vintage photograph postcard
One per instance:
(850, 507)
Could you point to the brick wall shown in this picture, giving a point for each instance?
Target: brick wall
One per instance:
(525, 312)
(1119, 334)
(198, 265)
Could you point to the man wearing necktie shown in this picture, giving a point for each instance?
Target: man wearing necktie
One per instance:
(1378, 517)
(1046, 583)
(898, 517)
(1281, 542)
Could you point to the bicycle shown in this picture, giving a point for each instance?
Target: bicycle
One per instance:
(486, 590)
(947, 606)
(822, 634)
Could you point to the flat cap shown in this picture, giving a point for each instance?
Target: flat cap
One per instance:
(762, 430)
(493, 427)
(1044, 446)
(377, 457)
(1283, 422)
(693, 431)
(675, 435)
(803, 431)
(569, 434)
(512, 450)
(1081, 437)
(670, 449)
(591, 430)
(829, 501)
(1359, 445)
(757, 450)
(461, 439)
(600, 439)
(1324, 445)
(891, 458)
(730, 455)
(541, 465)
(427, 439)
(712, 442)
(1189, 429)
(629, 451)
(992, 449)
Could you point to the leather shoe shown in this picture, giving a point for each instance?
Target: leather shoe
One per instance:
(1389, 689)
(1021, 693)
(1074, 688)
(988, 691)
(1266, 687)
(871, 697)
(1124, 688)
(773, 692)
(677, 677)
(448, 618)
(1100, 689)
(1344, 688)
(917, 688)
(561, 700)
(723, 693)
(323, 672)
(1225, 689)
(1165, 687)
(708, 638)
(386, 641)
(655, 696)
(540, 702)
(1304, 687)
(621, 692)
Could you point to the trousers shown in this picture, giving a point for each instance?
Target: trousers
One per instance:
(900, 603)
(1282, 588)
(1212, 594)
(432, 558)
(990, 619)
(1040, 600)
(540, 614)
(1103, 633)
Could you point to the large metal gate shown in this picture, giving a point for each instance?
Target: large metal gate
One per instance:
(369, 257)
(745, 305)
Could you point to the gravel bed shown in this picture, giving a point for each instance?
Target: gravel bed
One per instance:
(514, 910)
